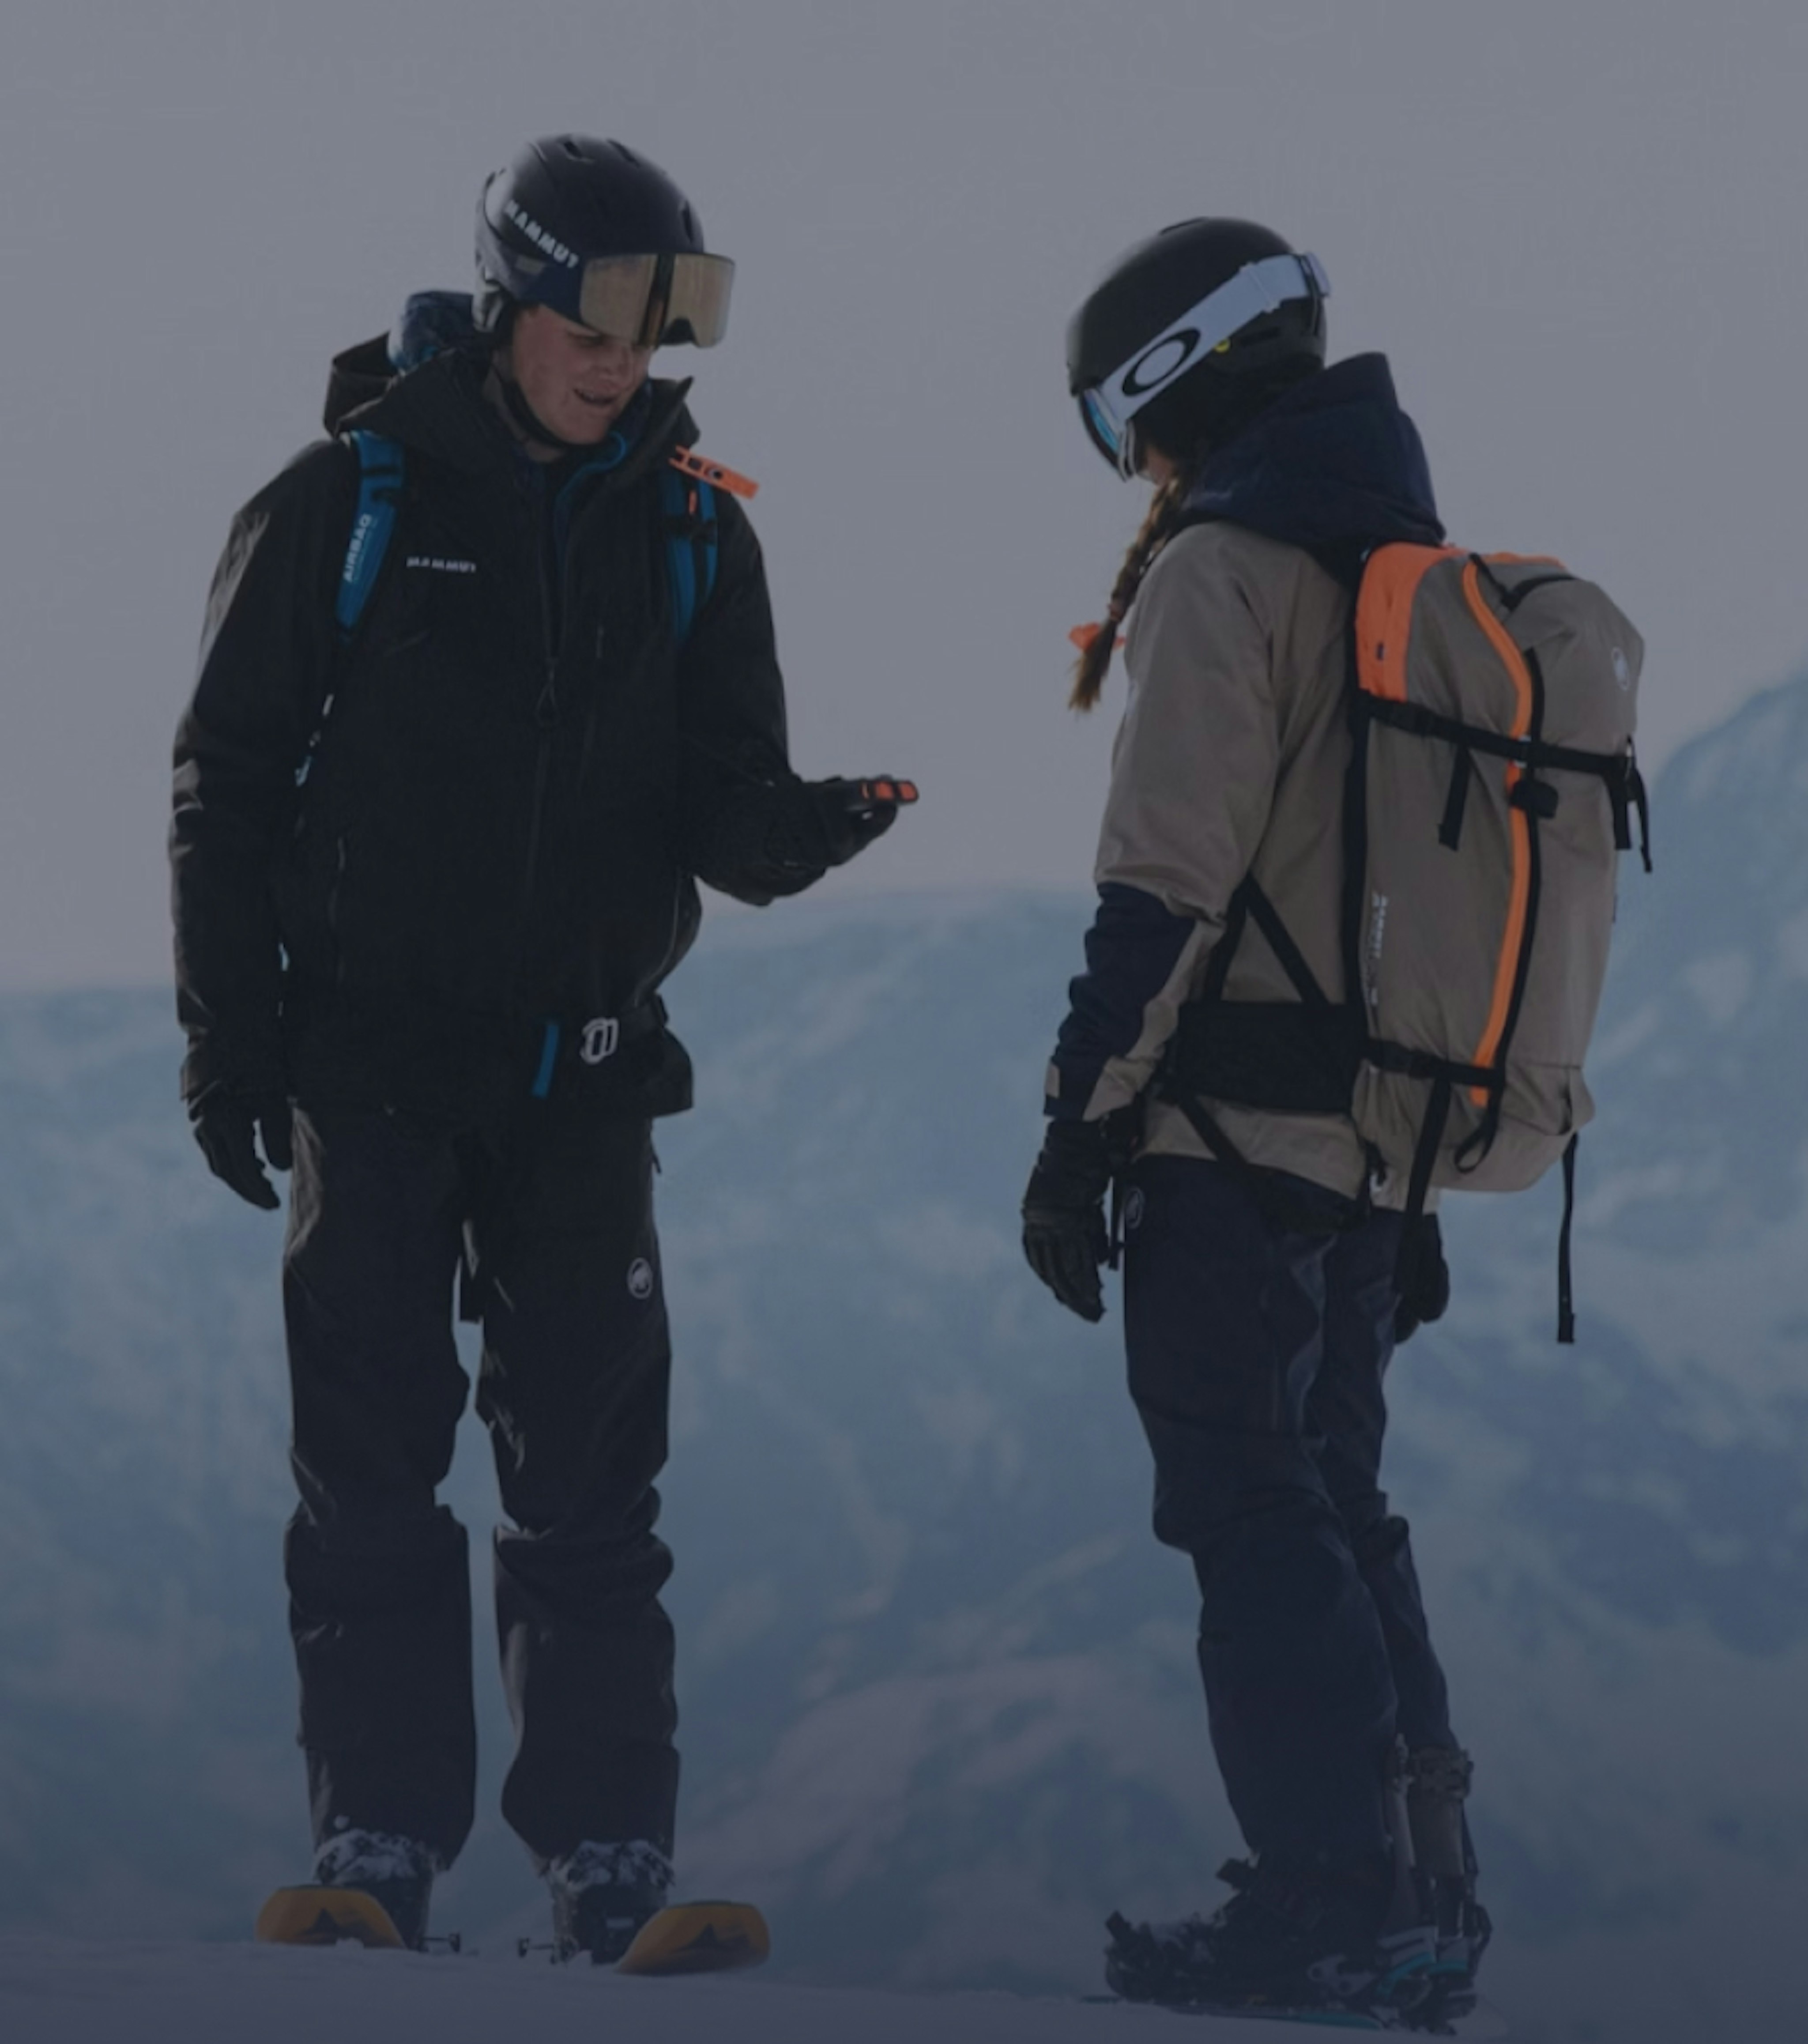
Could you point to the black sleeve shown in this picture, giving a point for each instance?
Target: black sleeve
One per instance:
(736, 768)
(267, 653)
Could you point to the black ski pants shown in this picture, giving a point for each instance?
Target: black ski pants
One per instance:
(549, 1228)
(1257, 1356)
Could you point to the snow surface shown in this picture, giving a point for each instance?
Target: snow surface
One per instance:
(940, 1712)
(57, 1991)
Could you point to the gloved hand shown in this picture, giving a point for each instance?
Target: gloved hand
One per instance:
(1063, 1214)
(814, 825)
(227, 1124)
(1423, 1278)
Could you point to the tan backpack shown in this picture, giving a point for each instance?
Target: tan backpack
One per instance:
(1491, 786)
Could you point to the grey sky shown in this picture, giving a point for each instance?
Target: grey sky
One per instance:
(1577, 230)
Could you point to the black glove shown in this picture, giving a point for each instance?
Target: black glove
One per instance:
(816, 824)
(1063, 1214)
(1421, 1278)
(227, 1125)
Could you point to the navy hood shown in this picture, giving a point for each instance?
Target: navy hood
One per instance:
(1333, 463)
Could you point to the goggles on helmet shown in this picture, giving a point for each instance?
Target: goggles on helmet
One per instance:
(1108, 407)
(650, 299)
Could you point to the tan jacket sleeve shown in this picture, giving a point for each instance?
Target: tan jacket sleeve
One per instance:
(1193, 769)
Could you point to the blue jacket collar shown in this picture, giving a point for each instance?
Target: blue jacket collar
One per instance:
(1333, 463)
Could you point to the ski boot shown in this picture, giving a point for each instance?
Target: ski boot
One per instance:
(396, 1872)
(1437, 1783)
(1305, 1940)
(602, 1894)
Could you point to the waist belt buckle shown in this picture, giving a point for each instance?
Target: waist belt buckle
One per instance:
(601, 1040)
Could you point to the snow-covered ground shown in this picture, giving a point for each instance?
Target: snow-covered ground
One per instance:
(55, 1991)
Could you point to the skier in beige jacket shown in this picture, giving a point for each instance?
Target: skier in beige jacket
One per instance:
(1264, 1284)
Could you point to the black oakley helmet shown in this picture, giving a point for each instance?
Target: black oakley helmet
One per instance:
(1192, 332)
(602, 236)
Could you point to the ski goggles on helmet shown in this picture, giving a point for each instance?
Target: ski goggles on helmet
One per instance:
(655, 300)
(1108, 407)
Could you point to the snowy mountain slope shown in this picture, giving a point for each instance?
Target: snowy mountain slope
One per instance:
(940, 1709)
(1703, 1053)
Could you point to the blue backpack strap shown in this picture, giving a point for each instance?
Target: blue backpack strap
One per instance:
(691, 546)
(380, 476)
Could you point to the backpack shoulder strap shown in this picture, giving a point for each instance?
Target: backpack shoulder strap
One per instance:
(381, 473)
(688, 506)
(380, 477)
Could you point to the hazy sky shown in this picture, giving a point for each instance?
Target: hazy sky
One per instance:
(1577, 229)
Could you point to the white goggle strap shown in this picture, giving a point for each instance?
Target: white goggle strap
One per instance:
(1256, 288)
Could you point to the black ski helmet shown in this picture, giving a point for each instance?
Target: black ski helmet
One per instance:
(602, 236)
(1192, 332)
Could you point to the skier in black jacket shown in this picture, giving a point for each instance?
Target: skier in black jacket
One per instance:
(431, 863)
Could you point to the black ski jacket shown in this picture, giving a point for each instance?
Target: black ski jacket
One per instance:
(518, 774)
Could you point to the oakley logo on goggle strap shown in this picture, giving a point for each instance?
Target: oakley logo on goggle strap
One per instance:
(1257, 288)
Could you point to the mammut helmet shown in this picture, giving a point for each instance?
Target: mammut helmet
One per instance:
(1190, 334)
(603, 236)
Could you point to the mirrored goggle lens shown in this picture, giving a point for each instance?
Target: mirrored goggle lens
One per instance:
(650, 299)
(1107, 436)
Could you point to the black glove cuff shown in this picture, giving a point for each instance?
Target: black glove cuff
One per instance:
(1074, 1168)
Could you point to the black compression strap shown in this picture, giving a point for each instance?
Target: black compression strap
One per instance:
(1450, 830)
(1418, 1185)
(1287, 954)
(1565, 1291)
(1511, 599)
(1327, 1022)
(1418, 722)
(1635, 785)
(1218, 966)
(1422, 1065)
(1206, 1127)
(1354, 892)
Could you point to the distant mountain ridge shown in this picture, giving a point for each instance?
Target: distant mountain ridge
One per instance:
(940, 1708)
(1701, 1047)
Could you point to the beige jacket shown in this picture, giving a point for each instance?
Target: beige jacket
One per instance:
(1231, 756)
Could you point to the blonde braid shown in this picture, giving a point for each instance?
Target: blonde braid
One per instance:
(1090, 669)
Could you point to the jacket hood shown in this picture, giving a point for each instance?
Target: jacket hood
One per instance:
(1333, 463)
(422, 384)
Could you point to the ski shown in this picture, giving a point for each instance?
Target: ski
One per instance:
(698, 1938)
(313, 1914)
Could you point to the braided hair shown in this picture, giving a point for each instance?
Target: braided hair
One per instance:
(1096, 642)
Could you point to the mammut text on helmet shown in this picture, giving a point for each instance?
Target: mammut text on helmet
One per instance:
(538, 235)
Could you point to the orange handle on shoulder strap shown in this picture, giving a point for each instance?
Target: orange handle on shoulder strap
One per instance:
(688, 462)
